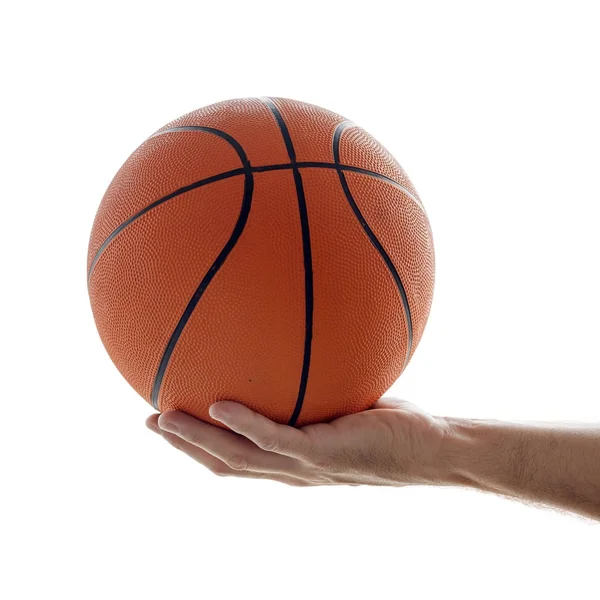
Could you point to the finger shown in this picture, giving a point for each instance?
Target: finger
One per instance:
(394, 403)
(266, 434)
(218, 467)
(236, 452)
(152, 423)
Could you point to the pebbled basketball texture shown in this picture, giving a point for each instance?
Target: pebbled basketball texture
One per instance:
(266, 251)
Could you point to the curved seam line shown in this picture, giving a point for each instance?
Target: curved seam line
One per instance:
(291, 154)
(130, 220)
(373, 238)
(218, 132)
(307, 254)
(235, 173)
(218, 262)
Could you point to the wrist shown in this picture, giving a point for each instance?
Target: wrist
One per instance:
(469, 448)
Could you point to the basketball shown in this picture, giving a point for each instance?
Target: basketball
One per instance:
(266, 251)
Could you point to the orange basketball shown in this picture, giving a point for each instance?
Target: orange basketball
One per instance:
(266, 251)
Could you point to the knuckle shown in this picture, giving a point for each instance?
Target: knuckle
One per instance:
(237, 462)
(196, 440)
(270, 444)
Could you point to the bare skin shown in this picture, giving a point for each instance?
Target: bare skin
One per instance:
(395, 443)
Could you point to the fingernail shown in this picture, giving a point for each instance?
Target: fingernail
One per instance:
(168, 426)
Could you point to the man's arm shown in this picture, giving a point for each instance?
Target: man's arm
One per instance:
(396, 443)
(550, 463)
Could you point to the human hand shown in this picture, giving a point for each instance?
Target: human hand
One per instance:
(394, 443)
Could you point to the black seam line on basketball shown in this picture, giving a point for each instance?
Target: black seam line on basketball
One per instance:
(235, 173)
(373, 238)
(182, 190)
(307, 253)
(290, 148)
(334, 166)
(218, 132)
(337, 136)
(208, 277)
(287, 138)
(222, 134)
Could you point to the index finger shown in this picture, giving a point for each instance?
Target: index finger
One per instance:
(266, 434)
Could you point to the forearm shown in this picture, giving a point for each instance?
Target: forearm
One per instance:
(554, 464)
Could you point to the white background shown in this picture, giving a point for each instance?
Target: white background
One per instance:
(491, 108)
